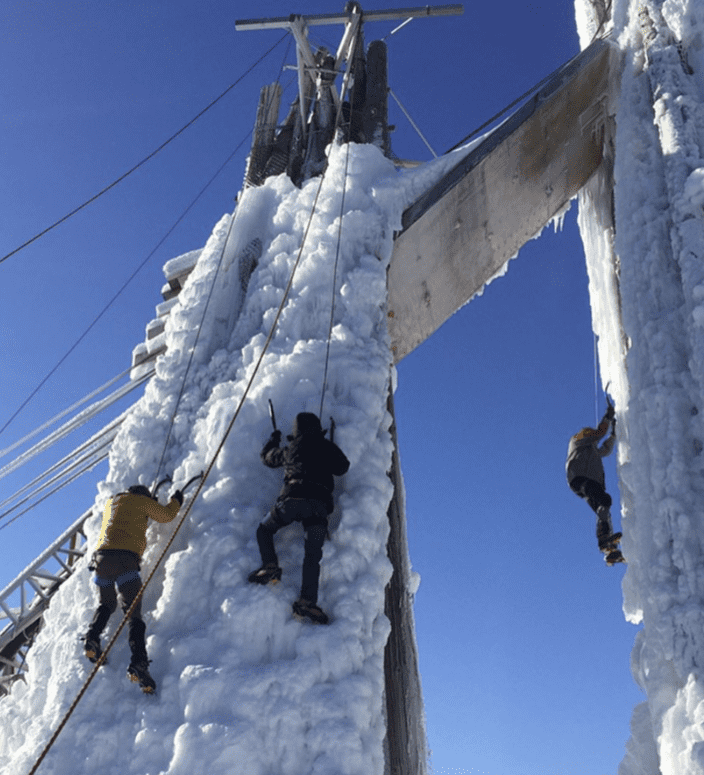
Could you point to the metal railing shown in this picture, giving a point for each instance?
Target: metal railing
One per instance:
(24, 601)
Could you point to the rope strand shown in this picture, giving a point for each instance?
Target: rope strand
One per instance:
(193, 349)
(338, 119)
(596, 383)
(210, 294)
(201, 484)
(334, 283)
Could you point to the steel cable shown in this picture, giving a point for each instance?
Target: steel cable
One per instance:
(145, 159)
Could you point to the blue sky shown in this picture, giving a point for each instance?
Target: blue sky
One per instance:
(524, 650)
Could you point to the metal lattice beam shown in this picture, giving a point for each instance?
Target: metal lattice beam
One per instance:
(23, 602)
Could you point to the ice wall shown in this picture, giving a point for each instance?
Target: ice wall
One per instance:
(644, 245)
(244, 687)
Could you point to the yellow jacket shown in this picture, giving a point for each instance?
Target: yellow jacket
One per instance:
(126, 518)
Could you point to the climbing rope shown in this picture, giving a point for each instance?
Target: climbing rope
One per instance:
(139, 382)
(194, 347)
(338, 118)
(201, 484)
(210, 294)
(334, 282)
(596, 383)
(71, 425)
(146, 158)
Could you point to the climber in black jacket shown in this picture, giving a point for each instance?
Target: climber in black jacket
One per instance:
(309, 461)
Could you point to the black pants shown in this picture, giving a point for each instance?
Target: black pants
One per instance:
(597, 497)
(117, 571)
(314, 516)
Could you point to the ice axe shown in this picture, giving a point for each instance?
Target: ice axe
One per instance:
(272, 415)
(611, 406)
(332, 429)
(191, 481)
(162, 482)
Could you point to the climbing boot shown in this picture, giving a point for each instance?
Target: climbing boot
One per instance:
(92, 647)
(608, 542)
(614, 557)
(138, 672)
(304, 609)
(265, 575)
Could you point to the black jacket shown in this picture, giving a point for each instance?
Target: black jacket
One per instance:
(309, 460)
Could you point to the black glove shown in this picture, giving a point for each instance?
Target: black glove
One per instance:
(610, 412)
(178, 496)
(275, 437)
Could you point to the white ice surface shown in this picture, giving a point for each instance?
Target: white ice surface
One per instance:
(646, 282)
(244, 687)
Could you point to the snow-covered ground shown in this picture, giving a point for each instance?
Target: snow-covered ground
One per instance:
(244, 687)
(647, 289)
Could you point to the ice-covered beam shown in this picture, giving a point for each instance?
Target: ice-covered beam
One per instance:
(461, 232)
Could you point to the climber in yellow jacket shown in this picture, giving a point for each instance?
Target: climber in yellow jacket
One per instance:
(116, 562)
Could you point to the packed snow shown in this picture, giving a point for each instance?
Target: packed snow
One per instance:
(243, 686)
(647, 289)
